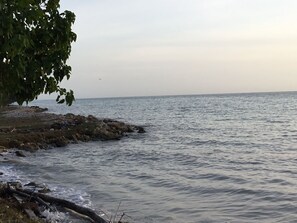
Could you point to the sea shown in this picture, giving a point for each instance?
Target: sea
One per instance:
(203, 158)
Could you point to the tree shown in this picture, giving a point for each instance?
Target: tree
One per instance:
(35, 43)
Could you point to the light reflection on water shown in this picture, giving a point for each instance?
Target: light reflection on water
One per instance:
(219, 158)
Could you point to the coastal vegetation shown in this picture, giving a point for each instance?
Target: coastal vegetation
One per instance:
(35, 43)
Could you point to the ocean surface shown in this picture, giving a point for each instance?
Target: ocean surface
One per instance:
(205, 158)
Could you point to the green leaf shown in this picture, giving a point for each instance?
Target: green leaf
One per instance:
(35, 43)
(61, 101)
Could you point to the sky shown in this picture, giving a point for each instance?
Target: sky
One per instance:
(177, 47)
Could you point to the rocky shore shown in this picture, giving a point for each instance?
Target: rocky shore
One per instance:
(31, 128)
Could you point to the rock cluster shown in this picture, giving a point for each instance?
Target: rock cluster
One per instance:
(31, 129)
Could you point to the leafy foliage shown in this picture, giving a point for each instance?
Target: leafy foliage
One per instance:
(35, 42)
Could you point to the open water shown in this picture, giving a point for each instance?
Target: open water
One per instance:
(207, 158)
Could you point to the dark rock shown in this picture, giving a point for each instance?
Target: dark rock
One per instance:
(31, 147)
(60, 125)
(41, 188)
(70, 115)
(15, 184)
(61, 142)
(78, 136)
(5, 130)
(106, 133)
(79, 119)
(38, 109)
(140, 129)
(1, 173)
(44, 109)
(89, 131)
(130, 129)
(31, 184)
(43, 146)
(92, 118)
(56, 125)
(85, 138)
(120, 126)
(14, 144)
(106, 120)
(19, 154)
(44, 190)
(74, 138)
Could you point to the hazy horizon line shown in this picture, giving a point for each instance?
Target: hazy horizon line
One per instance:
(179, 95)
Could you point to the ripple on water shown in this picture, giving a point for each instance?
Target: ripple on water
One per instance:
(218, 158)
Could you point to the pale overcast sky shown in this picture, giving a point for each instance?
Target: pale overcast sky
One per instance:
(172, 47)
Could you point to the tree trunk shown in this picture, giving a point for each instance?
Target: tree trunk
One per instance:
(42, 198)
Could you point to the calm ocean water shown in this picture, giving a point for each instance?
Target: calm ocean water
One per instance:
(211, 158)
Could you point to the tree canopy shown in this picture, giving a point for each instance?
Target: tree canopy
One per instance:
(35, 43)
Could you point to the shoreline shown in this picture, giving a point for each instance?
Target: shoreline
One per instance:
(31, 129)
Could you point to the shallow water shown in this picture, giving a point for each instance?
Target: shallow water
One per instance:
(212, 158)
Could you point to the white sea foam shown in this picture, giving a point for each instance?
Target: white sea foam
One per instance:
(75, 195)
(56, 217)
(10, 173)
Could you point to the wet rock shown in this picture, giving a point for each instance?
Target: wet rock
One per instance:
(44, 190)
(31, 184)
(41, 188)
(140, 129)
(15, 184)
(19, 154)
